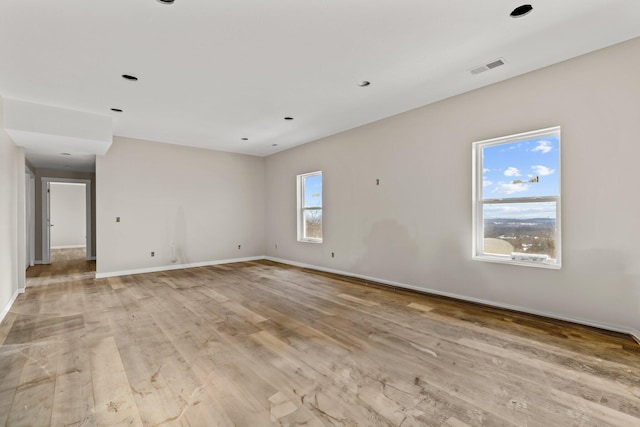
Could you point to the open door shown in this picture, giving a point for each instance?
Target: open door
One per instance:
(46, 222)
(29, 211)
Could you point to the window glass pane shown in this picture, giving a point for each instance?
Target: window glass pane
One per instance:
(520, 227)
(312, 191)
(313, 224)
(527, 168)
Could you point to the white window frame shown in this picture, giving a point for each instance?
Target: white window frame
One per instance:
(302, 208)
(479, 202)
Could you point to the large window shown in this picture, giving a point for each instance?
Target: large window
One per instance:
(516, 199)
(310, 207)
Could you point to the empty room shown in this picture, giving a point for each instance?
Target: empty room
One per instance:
(319, 213)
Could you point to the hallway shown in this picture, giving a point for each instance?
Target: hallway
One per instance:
(66, 265)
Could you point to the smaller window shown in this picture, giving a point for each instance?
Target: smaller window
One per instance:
(310, 207)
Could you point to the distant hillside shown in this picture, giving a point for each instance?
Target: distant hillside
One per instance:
(532, 235)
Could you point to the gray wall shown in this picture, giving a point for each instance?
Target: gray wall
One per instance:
(204, 202)
(415, 228)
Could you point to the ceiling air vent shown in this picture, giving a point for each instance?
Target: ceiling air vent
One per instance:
(486, 67)
(494, 64)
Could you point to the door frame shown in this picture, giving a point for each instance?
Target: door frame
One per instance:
(30, 216)
(46, 237)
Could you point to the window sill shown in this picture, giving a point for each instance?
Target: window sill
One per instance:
(508, 260)
(310, 240)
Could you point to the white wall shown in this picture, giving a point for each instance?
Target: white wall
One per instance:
(12, 244)
(67, 203)
(415, 228)
(205, 202)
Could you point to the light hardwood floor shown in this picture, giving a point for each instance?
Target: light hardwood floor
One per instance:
(263, 344)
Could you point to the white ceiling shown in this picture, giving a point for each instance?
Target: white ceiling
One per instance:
(46, 151)
(213, 72)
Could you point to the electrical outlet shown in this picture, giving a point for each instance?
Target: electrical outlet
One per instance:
(117, 219)
(276, 245)
(153, 253)
(239, 246)
(332, 255)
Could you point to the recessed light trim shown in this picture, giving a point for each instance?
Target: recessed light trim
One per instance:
(65, 154)
(364, 83)
(165, 1)
(288, 118)
(244, 139)
(274, 145)
(117, 110)
(129, 77)
(521, 11)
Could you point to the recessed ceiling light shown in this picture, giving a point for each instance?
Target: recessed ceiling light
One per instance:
(165, 1)
(274, 145)
(65, 154)
(521, 11)
(288, 118)
(364, 83)
(117, 110)
(244, 139)
(129, 77)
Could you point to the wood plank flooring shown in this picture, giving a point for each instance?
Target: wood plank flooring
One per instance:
(263, 344)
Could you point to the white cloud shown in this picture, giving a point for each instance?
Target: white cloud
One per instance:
(510, 209)
(486, 183)
(511, 171)
(485, 170)
(522, 211)
(542, 170)
(509, 188)
(543, 146)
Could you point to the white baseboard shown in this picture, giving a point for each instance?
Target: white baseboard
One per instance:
(615, 328)
(7, 307)
(175, 267)
(69, 247)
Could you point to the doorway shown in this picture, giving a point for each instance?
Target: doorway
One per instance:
(30, 217)
(66, 214)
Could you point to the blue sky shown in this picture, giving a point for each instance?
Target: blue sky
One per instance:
(313, 190)
(507, 169)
